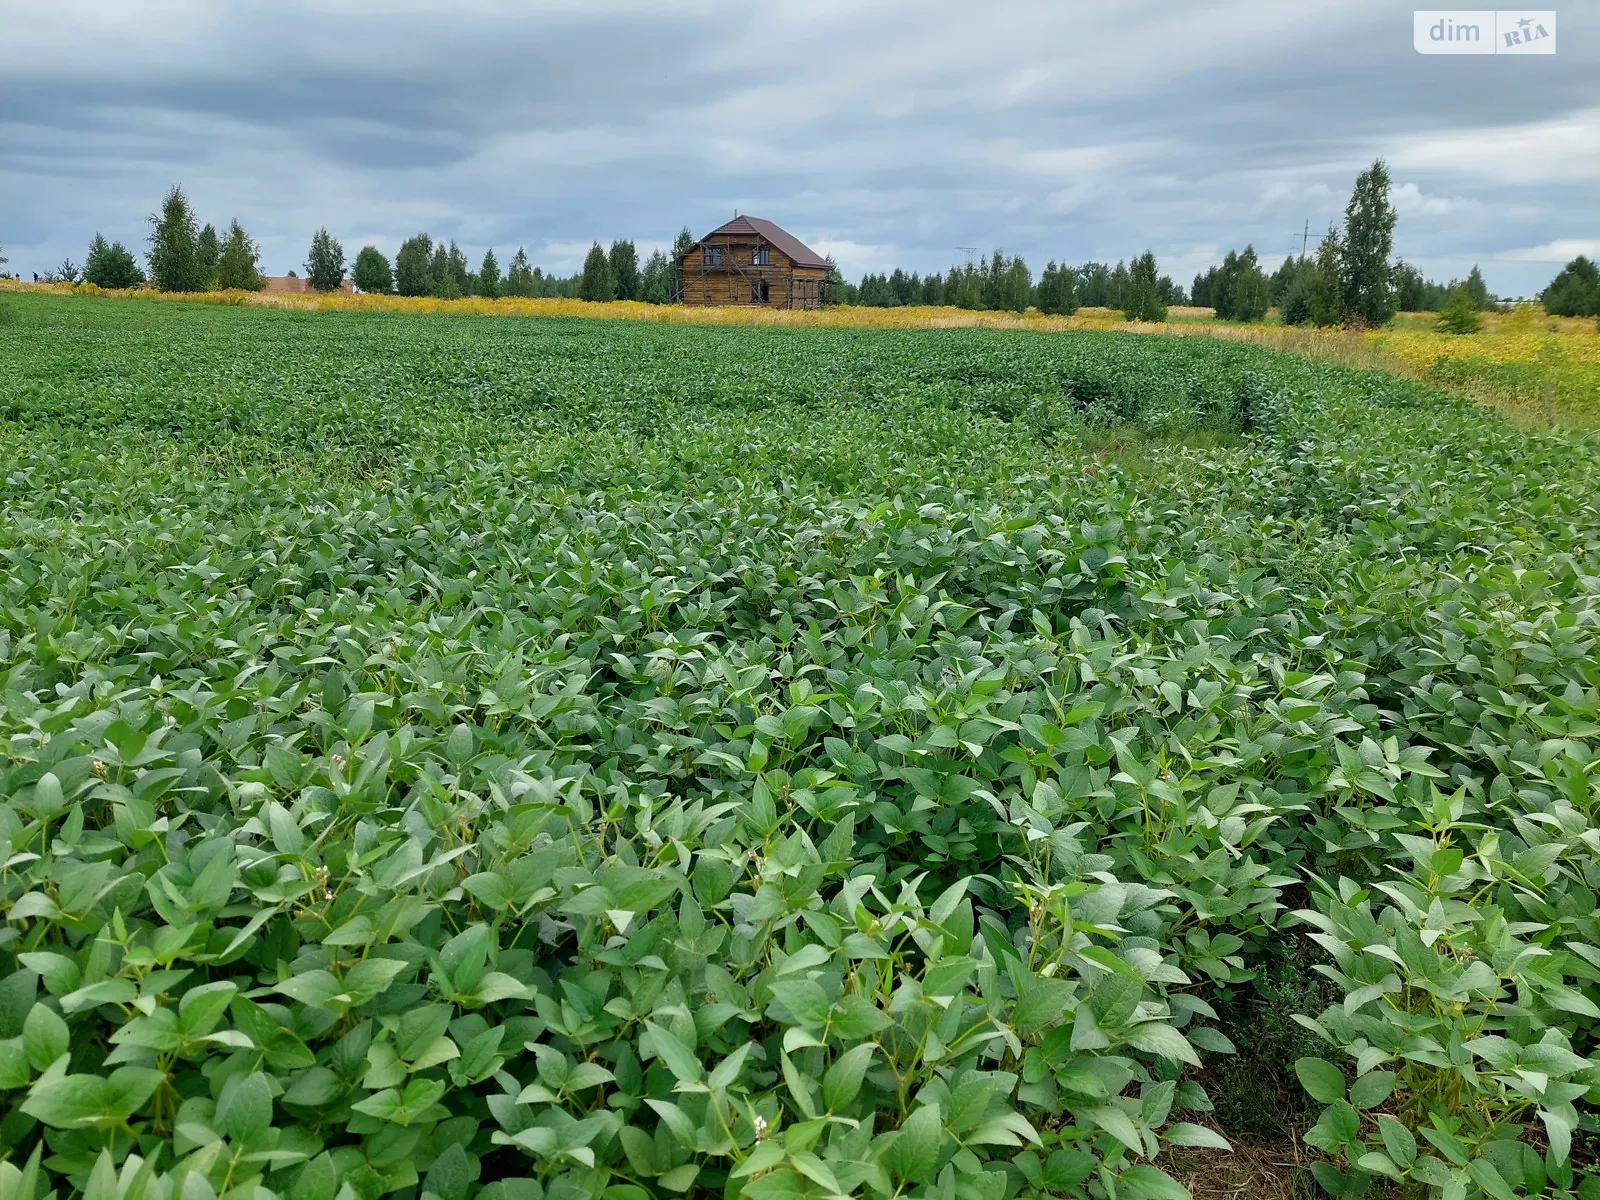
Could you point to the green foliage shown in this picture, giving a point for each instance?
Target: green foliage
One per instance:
(445, 286)
(597, 283)
(1142, 294)
(1413, 293)
(441, 278)
(325, 262)
(455, 265)
(1365, 270)
(1238, 289)
(111, 265)
(623, 260)
(1295, 307)
(681, 245)
(209, 249)
(1325, 288)
(1477, 290)
(372, 272)
(236, 264)
(175, 260)
(655, 281)
(511, 758)
(519, 277)
(1460, 312)
(1057, 293)
(413, 266)
(1575, 291)
(489, 276)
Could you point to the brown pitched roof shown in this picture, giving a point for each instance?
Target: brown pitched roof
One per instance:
(800, 254)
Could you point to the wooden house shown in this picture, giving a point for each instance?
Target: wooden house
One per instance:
(751, 262)
(297, 283)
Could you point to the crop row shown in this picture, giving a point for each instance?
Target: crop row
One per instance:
(536, 759)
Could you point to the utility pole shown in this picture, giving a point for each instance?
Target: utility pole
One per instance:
(971, 252)
(1305, 235)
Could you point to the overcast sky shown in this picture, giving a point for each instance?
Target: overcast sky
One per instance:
(885, 132)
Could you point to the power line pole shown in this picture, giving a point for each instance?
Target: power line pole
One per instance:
(1305, 235)
(971, 252)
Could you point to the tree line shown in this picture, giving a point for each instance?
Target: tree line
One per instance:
(184, 256)
(1004, 283)
(1350, 280)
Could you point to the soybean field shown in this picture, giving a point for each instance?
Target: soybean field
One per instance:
(548, 759)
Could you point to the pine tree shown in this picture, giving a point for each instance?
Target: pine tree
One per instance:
(325, 262)
(681, 245)
(519, 279)
(438, 270)
(236, 263)
(1477, 290)
(1324, 286)
(489, 276)
(110, 265)
(1460, 312)
(456, 263)
(1369, 221)
(623, 259)
(655, 281)
(1142, 301)
(371, 272)
(445, 284)
(598, 284)
(1295, 307)
(413, 266)
(209, 249)
(175, 264)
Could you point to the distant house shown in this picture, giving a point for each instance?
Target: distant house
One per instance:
(751, 262)
(294, 283)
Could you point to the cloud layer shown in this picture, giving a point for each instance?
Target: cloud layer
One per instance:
(888, 132)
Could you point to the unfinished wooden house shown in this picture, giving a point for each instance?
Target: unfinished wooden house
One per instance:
(749, 262)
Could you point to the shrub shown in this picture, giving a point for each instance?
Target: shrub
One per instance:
(1460, 312)
(111, 265)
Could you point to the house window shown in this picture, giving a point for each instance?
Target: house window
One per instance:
(758, 291)
(758, 256)
(713, 255)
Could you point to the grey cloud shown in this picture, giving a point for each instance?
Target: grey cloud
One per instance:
(895, 131)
